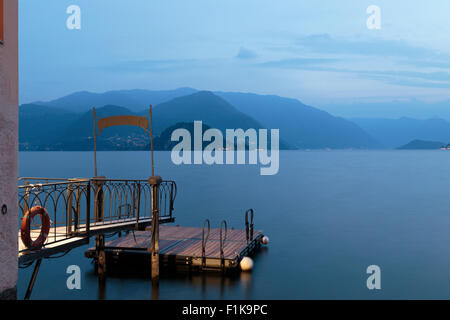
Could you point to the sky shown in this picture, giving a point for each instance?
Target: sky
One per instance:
(320, 52)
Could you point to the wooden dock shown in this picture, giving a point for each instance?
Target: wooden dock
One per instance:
(59, 239)
(183, 247)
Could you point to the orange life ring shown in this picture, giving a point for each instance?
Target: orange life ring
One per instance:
(26, 223)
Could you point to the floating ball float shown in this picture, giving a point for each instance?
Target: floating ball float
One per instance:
(246, 264)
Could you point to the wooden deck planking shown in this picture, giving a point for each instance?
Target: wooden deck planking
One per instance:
(178, 232)
(141, 243)
(185, 242)
(231, 235)
(193, 248)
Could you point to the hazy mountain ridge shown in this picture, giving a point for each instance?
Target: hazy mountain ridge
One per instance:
(422, 145)
(411, 108)
(397, 132)
(40, 124)
(135, 100)
(76, 131)
(300, 126)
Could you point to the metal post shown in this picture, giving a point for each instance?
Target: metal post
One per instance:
(95, 143)
(99, 239)
(171, 200)
(98, 202)
(155, 182)
(155, 233)
(69, 192)
(133, 197)
(33, 279)
(25, 198)
(78, 207)
(151, 140)
(138, 206)
(88, 209)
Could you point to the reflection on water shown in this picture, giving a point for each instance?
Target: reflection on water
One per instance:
(155, 289)
(138, 269)
(206, 281)
(101, 287)
(246, 280)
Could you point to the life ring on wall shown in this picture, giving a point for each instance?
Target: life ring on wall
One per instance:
(26, 224)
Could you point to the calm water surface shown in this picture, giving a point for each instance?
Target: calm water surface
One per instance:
(329, 215)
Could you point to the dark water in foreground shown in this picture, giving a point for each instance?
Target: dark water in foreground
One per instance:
(329, 215)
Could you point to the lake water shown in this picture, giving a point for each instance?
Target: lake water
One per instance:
(329, 215)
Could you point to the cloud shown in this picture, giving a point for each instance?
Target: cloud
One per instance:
(432, 76)
(369, 46)
(438, 64)
(394, 62)
(139, 66)
(245, 53)
(298, 63)
(409, 79)
(397, 51)
(404, 78)
(388, 61)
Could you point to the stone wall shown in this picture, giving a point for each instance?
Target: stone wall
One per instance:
(9, 151)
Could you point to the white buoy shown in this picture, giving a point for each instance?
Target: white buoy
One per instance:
(246, 264)
(265, 240)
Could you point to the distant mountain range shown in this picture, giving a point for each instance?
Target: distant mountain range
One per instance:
(66, 123)
(53, 128)
(392, 133)
(134, 100)
(302, 126)
(411, 108)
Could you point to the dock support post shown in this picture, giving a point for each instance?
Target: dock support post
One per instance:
(101, 257)
(99, 214)
(155, 182)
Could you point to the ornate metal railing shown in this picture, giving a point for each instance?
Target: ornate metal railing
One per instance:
(76, 206)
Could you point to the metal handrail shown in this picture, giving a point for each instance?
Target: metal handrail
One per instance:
(249, 228)
(69, 204)
(223, 224)
(205, 240)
